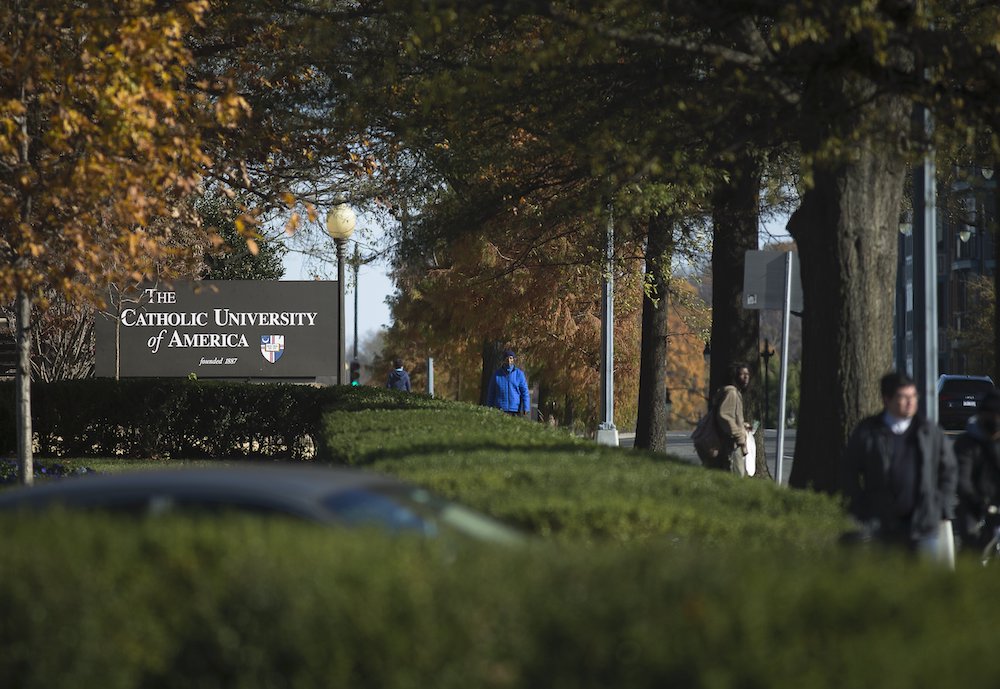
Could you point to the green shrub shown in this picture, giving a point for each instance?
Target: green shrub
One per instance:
(170, 417)
(246, 604)
(541, 479)
(556, 485)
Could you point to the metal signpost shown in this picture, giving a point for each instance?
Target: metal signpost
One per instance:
(771, 280)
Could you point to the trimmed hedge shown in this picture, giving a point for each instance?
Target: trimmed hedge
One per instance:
(163, 418)
(247, 604)
(736, 584)
(553, 484)
(539, 478)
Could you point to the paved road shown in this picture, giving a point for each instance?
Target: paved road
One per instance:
(679, 443)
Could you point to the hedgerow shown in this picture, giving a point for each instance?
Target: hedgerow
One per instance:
(554, 484)
(247, 603)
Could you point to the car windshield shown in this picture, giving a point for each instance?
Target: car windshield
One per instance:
(365, 507)
(406, 508)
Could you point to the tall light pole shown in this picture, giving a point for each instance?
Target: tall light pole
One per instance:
(356, 265)
(340, 224)
(925, 306)
(607, 432)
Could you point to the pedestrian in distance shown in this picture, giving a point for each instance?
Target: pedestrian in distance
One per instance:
(508, 388)
(733, 428)
(900, 476)
(398, 378)
(977, 451)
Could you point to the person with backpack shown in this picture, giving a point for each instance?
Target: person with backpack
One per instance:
(722, 435)
(508, 388)
(732, 425)
(398, 378)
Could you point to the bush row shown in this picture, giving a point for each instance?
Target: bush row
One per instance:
(246, 604)
(553, 484)
(162, 418)
(539, 478)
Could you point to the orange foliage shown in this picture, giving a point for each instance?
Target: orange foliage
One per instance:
(548, 310)
(99, 140)
(687, 372)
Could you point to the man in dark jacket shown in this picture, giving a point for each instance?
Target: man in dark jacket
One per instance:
(900, 475)
(398, 378)
(508, 388)
(978, 453)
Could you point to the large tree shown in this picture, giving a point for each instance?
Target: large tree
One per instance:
(99, 137)
(628, 93)
(532, 121)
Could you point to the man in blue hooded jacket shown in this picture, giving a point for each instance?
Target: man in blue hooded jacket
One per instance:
(508, 388)
(398, 378)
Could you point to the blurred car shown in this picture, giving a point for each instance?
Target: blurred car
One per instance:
(326, 495)
(957, 398)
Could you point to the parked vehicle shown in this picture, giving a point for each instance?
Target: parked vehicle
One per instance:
(957, 398)
(326, 495)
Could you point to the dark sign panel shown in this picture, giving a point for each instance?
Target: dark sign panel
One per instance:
(222, 329)
(764, 281)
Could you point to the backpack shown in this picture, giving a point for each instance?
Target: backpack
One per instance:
(707, 439)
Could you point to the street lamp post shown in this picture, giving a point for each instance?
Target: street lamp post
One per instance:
(356, 265)
(340, 225)
(607, 432)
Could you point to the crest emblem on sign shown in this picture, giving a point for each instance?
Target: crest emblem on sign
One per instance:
(272, 347)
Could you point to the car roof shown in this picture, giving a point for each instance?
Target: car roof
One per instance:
(952, 381)
(295, 485)
(314, 493)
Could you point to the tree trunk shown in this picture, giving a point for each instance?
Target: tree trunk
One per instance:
(996, 274)
(22, 388)
(543, 402)
(569, 413)
(492, 351)
(846, 234)
(735, 330)
(651, 424)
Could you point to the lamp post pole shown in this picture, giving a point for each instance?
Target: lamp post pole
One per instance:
(340, 224)
(357, 263)
(341, 312)
(925, 306)
(607, 432)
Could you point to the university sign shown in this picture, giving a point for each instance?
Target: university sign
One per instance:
(221, 329)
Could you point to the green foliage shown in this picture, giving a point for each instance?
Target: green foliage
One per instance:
(162, 418)
(773, 387)
(234, 260)
(247, 604)
(551, 483)
(173, 418)
(715, 581)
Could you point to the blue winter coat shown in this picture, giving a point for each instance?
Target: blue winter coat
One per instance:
(508, 390)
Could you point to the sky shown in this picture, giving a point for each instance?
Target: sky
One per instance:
(374, 286)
